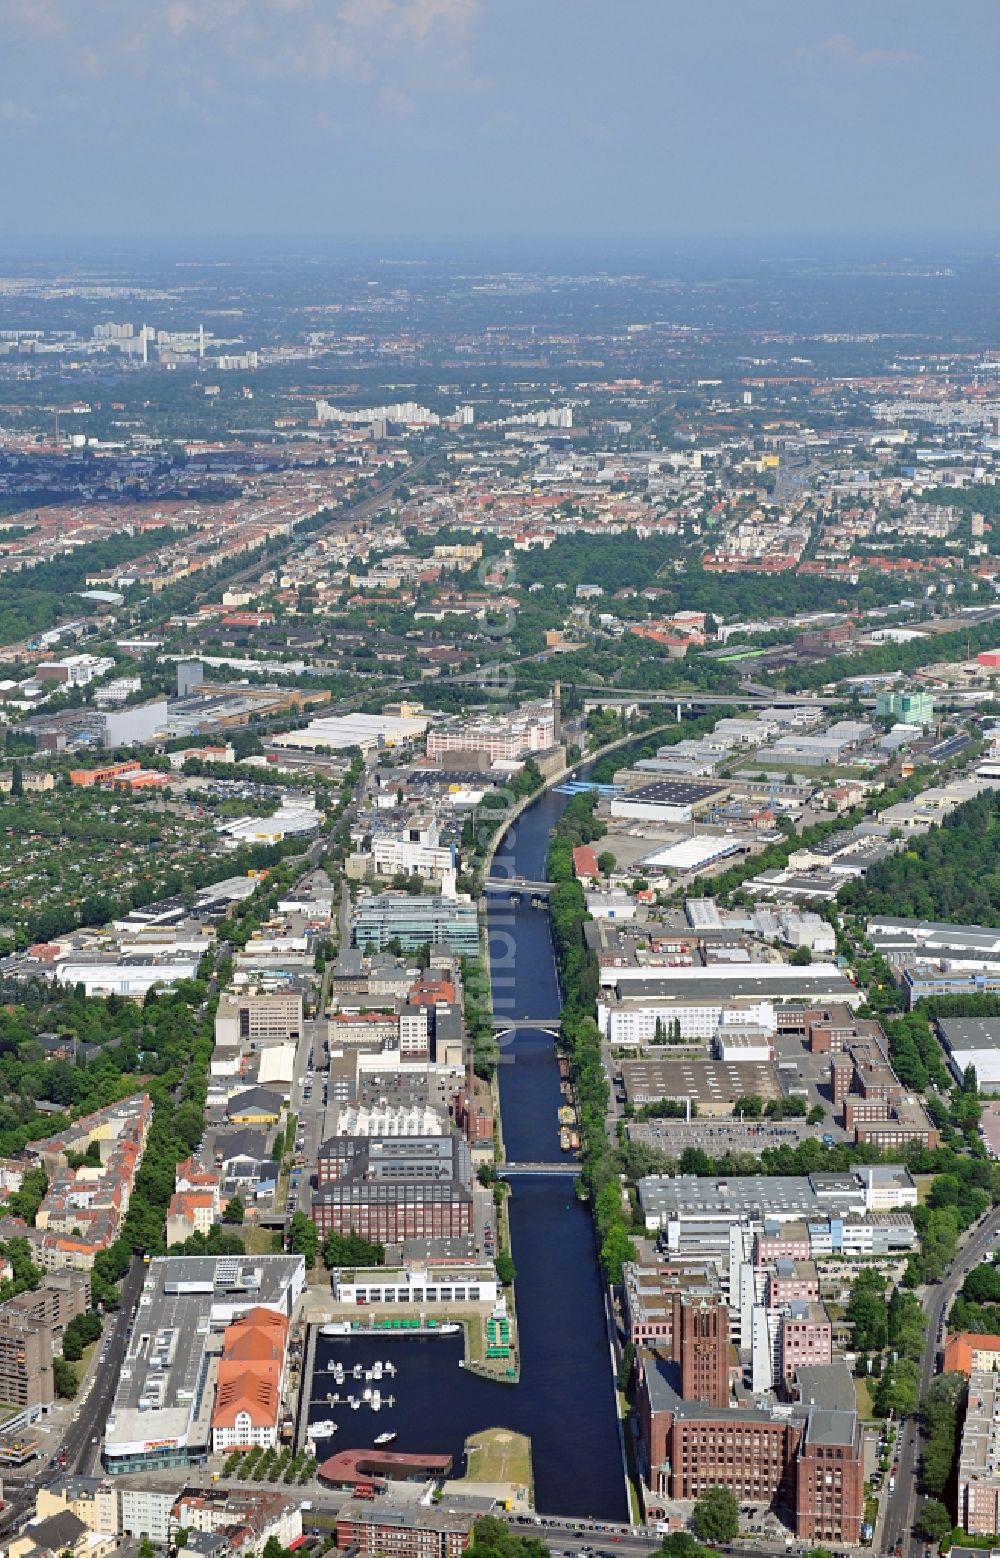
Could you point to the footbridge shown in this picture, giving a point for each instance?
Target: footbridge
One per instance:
(519, 1170)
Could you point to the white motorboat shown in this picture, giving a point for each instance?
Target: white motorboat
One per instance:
(384, 1438)
(324, 1429)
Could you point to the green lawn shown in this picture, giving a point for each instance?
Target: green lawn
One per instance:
(864, 1398)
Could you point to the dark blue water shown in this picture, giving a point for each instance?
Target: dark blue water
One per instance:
(565, 1400)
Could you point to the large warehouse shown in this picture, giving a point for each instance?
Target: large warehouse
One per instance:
(973, 1041)
(340, 732)
(694, 854)
(667, 800)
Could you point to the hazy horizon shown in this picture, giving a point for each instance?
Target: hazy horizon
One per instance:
(585, 121)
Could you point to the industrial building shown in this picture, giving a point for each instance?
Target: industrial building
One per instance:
(714, 1086)
(508, 738)
(938, 944)
(666, 800)
(693, 854)
(972, 1041)
(808, 1458)
(390, 1189)
(696, 1000)
(367, 732)
(417, 1284)
(258, 1016)
(750, 1198)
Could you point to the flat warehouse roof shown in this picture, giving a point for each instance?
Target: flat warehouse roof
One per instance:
(705, 1081)
(969, 1033)
(673, 792)
(713, 986)
(688, 854)
(753, 1196)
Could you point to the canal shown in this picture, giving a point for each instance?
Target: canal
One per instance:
(567, 1405)
(565, 1399)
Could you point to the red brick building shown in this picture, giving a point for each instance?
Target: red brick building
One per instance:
(806, 1460)
(392, 1188)
(830, 1478)
(700, 1345)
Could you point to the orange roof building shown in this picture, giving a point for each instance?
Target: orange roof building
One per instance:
(969, 1350)
(251, 1371)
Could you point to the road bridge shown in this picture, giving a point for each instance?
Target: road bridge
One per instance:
(519, 1170)
(548, 1025)
(518, 885)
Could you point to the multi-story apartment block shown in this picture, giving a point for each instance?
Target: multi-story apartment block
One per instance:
(384, 1530)
(805, 1337)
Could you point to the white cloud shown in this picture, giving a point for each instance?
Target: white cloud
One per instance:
(841, 53)
(398, 50)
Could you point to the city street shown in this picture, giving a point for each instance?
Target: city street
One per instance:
(82, 1439)
(904, 1503)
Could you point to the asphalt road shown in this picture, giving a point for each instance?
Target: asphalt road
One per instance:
(905, 1502)
(82, 1453)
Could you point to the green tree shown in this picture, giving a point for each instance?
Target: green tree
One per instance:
(493, 1538)
(800, 956)
(626, 1366)
(64, 1378)
(303, 1238)
(898, 1390)
(26, 1201)
(506, 1271)
(606, 861)
(717, 1516)
(350, 1249)
(934, 1523)
(681, 1544)
(234, 1210)
(940, 1410)
(866, 1311)
(617, 1249)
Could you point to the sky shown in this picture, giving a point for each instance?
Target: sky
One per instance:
(473, 119)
